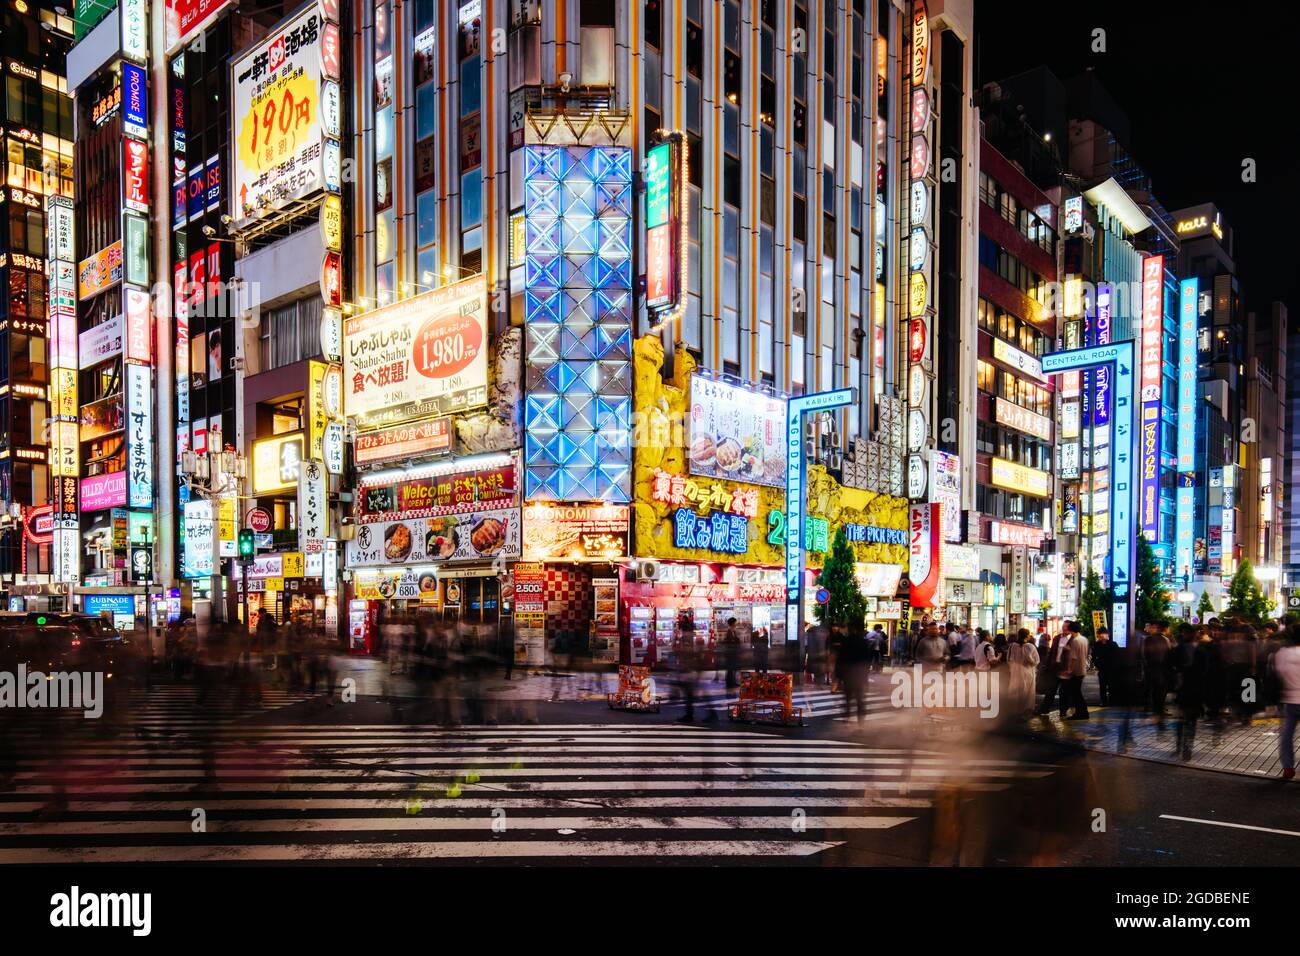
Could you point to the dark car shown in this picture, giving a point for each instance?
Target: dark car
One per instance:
(61, 641)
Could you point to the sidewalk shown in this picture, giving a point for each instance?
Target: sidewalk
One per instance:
(1226, 746)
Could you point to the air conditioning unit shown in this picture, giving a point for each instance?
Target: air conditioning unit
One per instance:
(647, 570)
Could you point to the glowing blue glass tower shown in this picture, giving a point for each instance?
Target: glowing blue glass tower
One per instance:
(578, 314)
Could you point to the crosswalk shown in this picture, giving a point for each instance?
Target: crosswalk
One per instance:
(295, 792)
(824, 703)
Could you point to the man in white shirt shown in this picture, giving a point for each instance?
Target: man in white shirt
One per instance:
(1073, 665)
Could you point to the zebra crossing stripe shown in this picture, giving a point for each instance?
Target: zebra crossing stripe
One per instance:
(451, 850)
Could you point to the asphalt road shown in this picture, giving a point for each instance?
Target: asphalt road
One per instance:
(526, 780)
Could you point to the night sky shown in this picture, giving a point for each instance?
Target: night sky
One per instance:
(1204, 85)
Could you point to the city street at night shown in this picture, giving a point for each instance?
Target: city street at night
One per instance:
(758, 460)
(552, 782)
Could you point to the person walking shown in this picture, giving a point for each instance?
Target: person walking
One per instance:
(986, 655)
(1022, 661)
(852, 666)
(1155, 652)
(1188, 663)
(689, 663)
(758, 646)
(1104, 659)
(731, 653)
(1239, 660)
(1075, 660)
(1286, 669)
(931, 649)
(1056, 664)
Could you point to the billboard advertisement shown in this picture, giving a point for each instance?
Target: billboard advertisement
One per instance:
(100, 343)
(100, 271)
(276, 136)
(276, 463)
(575, 532)
(923, 564)
(736, 433)
(185, 18)
(421, 357)
(139, 435)
(945, 490)
(475, 536)
(403, 441)
(103, 491)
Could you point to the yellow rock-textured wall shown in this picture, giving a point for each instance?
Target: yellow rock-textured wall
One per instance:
(660, 419)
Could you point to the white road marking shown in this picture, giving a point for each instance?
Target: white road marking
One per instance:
(455, 824)
(1234, 826)
(421, 850)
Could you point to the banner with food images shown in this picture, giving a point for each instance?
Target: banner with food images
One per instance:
(736, 433)
(478, 536)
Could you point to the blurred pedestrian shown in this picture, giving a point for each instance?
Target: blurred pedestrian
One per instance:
(852, 664)
(1000, 645)
(1239, 660)
(1104, 660)
(1022, 671)
(689, 663)
(1155, 652)
(931, 649)
(1188, 666)
(1286, 667)
(1076, 660)
(758, 643)
(1055, 665)
(1216, 674)
(731, 653)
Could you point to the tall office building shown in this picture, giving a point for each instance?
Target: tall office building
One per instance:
(36, 206)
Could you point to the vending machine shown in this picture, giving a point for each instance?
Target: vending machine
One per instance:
(363, 618)
(640, 622)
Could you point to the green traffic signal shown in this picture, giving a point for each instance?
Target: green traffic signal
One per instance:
(246, 547)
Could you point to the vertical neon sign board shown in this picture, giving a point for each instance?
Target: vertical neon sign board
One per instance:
(1153, 335)
(796, 471)
(1101, 336)
(1185, 497)
(1187, 294)
(1118, 357)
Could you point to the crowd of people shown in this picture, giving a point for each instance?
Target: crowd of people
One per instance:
(1223, 670)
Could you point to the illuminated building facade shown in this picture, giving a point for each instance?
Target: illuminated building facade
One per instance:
(35, 206)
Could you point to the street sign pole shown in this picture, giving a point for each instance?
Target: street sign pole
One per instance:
(796, 497)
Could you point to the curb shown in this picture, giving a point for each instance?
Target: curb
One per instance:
(1169, 762)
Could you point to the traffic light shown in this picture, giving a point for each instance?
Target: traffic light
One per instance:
(246, 546)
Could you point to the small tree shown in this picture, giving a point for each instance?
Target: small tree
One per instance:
(1205, 610)
(1093, 598)
(1150, 599)
(1245, 599)
(845, 606)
